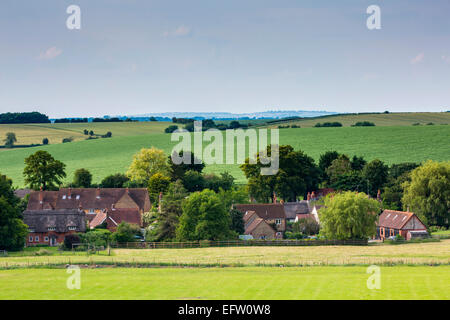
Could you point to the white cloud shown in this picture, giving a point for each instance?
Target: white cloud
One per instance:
(50, 53)
(418, 59)
(181, 31)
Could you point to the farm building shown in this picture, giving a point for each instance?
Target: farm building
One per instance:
(100, 205)
(406, 224)
(301, 210)
(257, 227)
(50, 227)
(272, 213)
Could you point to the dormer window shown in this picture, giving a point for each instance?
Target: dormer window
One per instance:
(64, 197)
(78, 197)
(51, 228)
(72, 228)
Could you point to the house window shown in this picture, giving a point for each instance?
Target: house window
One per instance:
(72, 228)
(278, 234)
(30, 239)
(278, 221)
(91, 211)
(46, 239)
(36, 239)
(391, 232)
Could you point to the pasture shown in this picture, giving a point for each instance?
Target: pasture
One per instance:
(380, 119)
(112, 155)
(400, 282)
(409, 253)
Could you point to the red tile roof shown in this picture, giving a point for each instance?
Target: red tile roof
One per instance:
(86, 198)
(116, 216)
(98, 219)
(394, 219)
(264, 211)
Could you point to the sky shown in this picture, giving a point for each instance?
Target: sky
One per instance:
(135, 57)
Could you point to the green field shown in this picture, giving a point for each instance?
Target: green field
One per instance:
(404, 282)
(107, 156)
(380, 119)
(430, 253)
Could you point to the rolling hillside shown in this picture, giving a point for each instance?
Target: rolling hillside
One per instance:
(380, 119)
(107, 156)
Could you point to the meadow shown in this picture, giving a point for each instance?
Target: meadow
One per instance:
(392, 144)
(380, 119)
(430, 253)
(399, 282)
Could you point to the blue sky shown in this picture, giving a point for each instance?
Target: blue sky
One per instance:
(134, 57)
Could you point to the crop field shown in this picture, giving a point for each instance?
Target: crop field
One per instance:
(380, 119)
(399, 282)
(430, 253)
(108, 156)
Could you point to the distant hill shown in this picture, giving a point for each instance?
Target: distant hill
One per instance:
(230, 116)
(379, 119)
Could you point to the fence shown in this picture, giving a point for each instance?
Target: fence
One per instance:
(238, 243)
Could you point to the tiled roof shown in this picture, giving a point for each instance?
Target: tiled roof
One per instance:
(293, 208)
(87, 198)
(98, 219)
(305, 216)
(394, 219)
(116, 216)
(61, 220)
(264, 211)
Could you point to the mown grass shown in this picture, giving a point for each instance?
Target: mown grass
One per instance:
(401, 282)
(107, 156)
(431, 253)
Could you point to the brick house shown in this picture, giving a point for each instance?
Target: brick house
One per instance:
(257, 227)
(273, 215)
(406, 224)
(96, 203)
(50, 227)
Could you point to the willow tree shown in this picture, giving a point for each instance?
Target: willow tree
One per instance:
(349, 215)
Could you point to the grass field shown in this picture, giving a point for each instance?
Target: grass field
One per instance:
(411, 253)
(107, 156)
(380, 119)
(401, 282)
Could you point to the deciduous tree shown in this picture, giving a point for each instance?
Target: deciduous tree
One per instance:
(146, 163)
(349, 215)
(428, 193)
(42, 170)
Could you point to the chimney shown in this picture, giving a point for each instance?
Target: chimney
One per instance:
(113, 207)
(313, 196)
(97, 193)
(159, 202)
(128, 190)
(41, 196)
(274, 197)
(407, 209)
(80, 207)
(308, 196)
(378, 195)
(70, 193)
